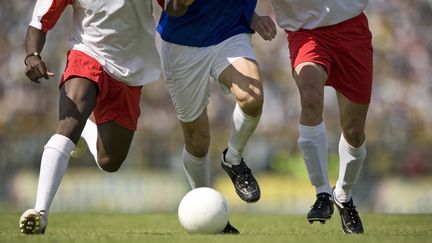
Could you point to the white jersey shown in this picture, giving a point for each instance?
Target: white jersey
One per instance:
(119, 34)
(310, 14)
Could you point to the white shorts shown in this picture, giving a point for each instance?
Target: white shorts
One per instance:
(188, 70)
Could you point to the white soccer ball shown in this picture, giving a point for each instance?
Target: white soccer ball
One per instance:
(203, 211)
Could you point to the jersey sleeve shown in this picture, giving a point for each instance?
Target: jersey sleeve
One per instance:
(162, 3)
(47, 12)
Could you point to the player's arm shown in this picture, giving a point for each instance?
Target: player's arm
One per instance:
(264, 26)
(35, 66)
(45, 16)
(178, 8)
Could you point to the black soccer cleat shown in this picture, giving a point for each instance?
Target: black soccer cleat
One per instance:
(350, 219)
(229, 229)
(322, 209)
(245, 184)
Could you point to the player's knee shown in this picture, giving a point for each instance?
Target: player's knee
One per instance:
(311, 101)
(71, 128)
(252, 103)
(109, 167)
(110, 164)
(354, 135)
(198, 145)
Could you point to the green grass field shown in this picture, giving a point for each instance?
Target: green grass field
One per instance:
(130, 228)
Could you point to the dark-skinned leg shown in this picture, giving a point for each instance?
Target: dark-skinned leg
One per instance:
(76, 104)
(77, 99)
(113, 145)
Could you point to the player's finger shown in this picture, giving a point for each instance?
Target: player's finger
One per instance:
(48, 75)
(270, 29)
(33, 77)
(264, 35)
(36, 68)
(272, 26)
(187, 2)
(33, 74)
(36, 72)
(43, 71)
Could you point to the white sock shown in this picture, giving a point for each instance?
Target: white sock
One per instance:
(197, 170)
(242, 127)
(351, 161)
(53, 166)
(90, 135)
(313, 144)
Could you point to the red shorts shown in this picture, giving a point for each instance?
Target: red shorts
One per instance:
(344, 49)
(116, 101)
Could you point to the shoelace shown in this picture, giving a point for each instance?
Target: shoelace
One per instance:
(319, 202)
(245, 175)
(352, 213)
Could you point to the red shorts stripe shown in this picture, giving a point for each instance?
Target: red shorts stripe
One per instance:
(344, 49)
(116, 101)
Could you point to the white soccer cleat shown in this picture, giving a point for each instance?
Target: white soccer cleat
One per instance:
(79, 149)
(33, 222)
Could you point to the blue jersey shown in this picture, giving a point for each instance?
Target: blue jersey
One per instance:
(208, 22)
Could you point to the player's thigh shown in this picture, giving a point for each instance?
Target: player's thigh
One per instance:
(242, 77)
(77, 101)
(310, 76)
(114, 141)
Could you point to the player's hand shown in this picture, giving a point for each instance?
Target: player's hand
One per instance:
(36, 69)
(178, 8)
(264, 26)
(184, 2)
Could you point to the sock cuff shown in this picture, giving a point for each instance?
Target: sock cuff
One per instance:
(351, 149)
(233, 151)
(245, 116)
(60, 143)
(193, 159)
(312, 131)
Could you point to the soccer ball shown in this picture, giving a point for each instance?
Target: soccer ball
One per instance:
(203, 211)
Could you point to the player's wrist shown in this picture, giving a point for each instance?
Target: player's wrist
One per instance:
(31, 56)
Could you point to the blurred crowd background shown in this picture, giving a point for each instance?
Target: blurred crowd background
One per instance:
(396, 176)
